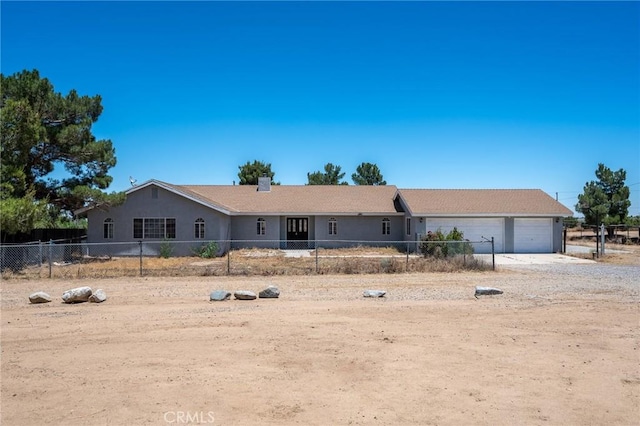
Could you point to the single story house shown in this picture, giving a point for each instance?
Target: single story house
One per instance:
(301, 216)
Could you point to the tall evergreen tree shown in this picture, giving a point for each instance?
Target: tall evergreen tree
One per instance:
(40, 130)
(250, 172)
(605, 199)
(330, 176)
(368, 174)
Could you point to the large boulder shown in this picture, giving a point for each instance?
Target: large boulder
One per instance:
(39, 297)
(244, 295)
(219, 295)
(77, 295)
(271, 292)
(98, 296)
(374, 293)
(486, 291)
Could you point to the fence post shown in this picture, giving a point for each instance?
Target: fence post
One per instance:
(406, 267)
(50, 256)
(40, 255)
(229, 260)
(140, 244)
(316, 257)
(493, 254)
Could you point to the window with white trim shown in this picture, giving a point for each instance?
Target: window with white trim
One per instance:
(333, 226)
(107, 230)
(261, 226)
(199, 228)
(154, 228)
(386, 226)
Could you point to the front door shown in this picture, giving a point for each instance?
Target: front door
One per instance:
(297, 232)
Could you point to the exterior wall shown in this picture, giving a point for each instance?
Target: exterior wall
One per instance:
(558, 228)
(473, 228)
(244, 232)
(509, 234)
(356, 229)
(141, 204)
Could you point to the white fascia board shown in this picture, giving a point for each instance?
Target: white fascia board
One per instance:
(481, 215)
(404, 203)
(342, 214)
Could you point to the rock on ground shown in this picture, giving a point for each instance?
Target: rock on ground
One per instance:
(374, 293)
(98, 296)
(219, 295)
(271, 292)
(244, 295)
(39, 297)
(487, 291)
(76, 295)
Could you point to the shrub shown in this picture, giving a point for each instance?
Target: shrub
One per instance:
(206, 251)
(438, 245)
(166, 249)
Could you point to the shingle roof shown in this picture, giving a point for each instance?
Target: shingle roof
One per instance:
(302, 199)
(368, 200)
(512, 202)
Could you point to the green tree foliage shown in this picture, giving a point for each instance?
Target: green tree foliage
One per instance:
(22, 214)
(331, 176)
(368, 174)
(570, 222)
(42, 130)
(605, 199)
(250, 172)
(437, 244)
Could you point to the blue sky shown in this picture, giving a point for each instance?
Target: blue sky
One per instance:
(437, 94)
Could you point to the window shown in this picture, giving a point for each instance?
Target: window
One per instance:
(157, 228)
(333, 226)
(199, 228)
(408, 226)
(386, 226)
(108, 228)
(262, 226)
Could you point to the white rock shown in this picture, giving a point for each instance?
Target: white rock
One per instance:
(244, 295)
(76, 295)
(39, 297)
(374, 293)
(487, 291)
(98, 296)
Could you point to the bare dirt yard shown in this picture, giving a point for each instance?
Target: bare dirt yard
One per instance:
(558, 348)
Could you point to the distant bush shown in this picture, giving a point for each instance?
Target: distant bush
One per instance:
(570, 222)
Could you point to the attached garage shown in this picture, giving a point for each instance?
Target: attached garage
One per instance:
(474, 229)
(533, 235)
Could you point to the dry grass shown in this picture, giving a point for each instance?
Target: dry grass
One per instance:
(251, 262)
(615, 253)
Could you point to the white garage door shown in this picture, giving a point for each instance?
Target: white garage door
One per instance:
(533, 235)
(473, 230)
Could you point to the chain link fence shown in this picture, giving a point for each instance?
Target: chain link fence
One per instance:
(238, 257)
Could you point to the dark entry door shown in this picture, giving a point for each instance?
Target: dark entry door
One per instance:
(297, 232)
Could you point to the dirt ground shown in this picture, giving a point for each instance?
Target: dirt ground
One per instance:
(158, 352)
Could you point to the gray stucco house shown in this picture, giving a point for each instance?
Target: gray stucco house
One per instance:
(299, 216)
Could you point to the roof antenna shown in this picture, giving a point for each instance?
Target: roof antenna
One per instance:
(132, 181)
